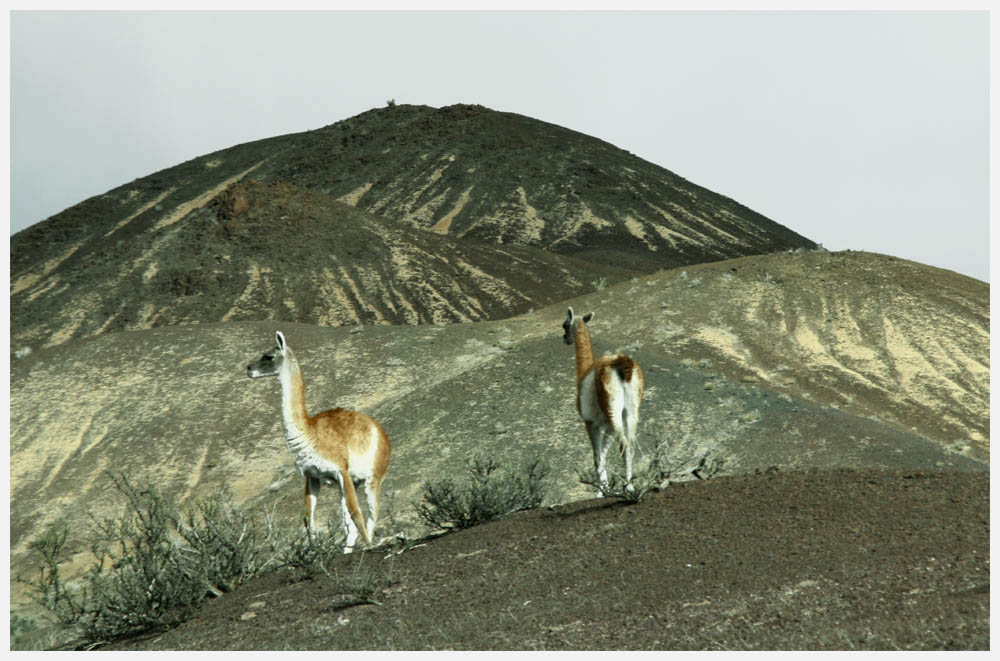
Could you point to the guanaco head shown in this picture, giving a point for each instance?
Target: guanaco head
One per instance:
(569, 326)
(270, 363)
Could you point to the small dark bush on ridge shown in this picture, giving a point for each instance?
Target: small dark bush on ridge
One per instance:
(311, 553)
(493, 491)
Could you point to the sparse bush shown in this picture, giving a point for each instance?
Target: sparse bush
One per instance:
(145, 578)
(51, 593)
(646, 479)
(494, 491)
(311, 553)
(20, 625)
(227, 544)
(360, 586)
(708, 467)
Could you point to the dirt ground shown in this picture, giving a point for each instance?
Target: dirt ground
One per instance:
(808, 560)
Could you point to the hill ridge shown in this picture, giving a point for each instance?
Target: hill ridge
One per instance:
(473, 176)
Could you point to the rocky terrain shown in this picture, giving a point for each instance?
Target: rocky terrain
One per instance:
(520, 213)
(173, 406)
(851, 385)
(821, 560)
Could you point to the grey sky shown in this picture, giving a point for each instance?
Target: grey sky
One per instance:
(860, 130)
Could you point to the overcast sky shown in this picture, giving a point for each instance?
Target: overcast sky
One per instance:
(859, 130)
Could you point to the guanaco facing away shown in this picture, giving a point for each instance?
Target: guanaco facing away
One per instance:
(342, 445)
(608, 394)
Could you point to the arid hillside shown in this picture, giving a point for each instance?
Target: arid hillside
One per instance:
(420, 263)
(518, 213)
(282, 252)
(817, 560)
(173, 406)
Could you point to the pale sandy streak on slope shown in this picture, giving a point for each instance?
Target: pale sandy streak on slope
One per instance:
(702, 221)
(29, 279)
(490, 284)
(849, 340)
(423, 214)
(332, 292)
(77, 316)
(356, 194)
(49, 285)
(729, 344)
(254, 282)
(146, 207)
(438, 302)
(816, 353)
(195, 475)
(425, 211)
(636, 229)
(442, 226)
(70, 449)
(411, 316)
(346, 279)
(185, 208)
(915, 370)
(673, 235)
(533, 222)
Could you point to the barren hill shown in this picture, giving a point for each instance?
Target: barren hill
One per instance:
(277, 251)
(501, 177)
(772, 379)
(364, 241)
(480, 215)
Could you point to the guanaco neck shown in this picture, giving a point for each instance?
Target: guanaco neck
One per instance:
(293, 397)
(584, 351)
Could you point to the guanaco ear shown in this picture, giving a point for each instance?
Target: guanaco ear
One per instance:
(280, 339)
(569, 314)
(587, 317)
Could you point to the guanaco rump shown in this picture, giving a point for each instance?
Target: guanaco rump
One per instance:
(342, 445)
(608, 394)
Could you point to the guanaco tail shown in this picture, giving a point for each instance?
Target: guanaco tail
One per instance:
(338, 445)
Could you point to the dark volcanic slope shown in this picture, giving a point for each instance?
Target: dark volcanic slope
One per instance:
(277, 251)
(467, 172)
(505, 178)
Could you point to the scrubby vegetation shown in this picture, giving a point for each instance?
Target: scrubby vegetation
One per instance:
(155, 565)
(494, 490)
(647, 476)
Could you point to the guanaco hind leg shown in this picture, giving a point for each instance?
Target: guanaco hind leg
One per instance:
(311, 495)
(371, 495)
(600, 443)
(351, 513)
